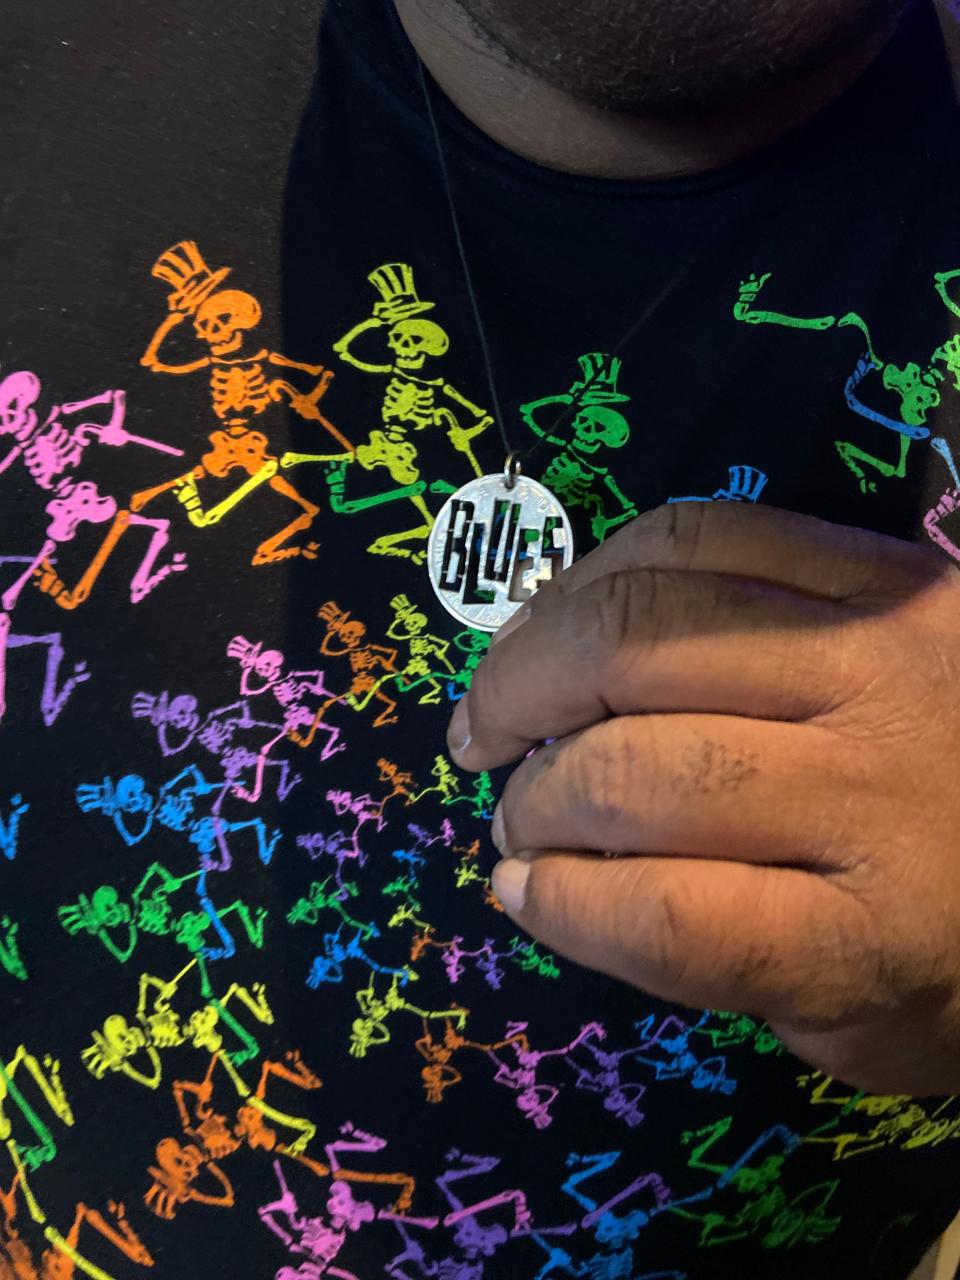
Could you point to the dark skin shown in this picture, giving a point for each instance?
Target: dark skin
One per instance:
(684, 58)
(756, 712)
(637, 89)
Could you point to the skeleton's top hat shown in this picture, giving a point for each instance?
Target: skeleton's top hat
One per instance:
(402, 605)
(598, 384)
(394, 283)
(183, 268)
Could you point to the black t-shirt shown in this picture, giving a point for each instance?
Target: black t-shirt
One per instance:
(262, 1014)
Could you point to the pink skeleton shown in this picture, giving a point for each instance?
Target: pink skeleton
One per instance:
(319, 1240)
(227, 733)
(314, 1238)
(340, 845)
(263, 674)
(603, 1077)
(534, 1099)
(49, 452)
(947, 505)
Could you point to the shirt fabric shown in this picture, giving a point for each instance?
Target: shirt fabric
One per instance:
(262, 1014)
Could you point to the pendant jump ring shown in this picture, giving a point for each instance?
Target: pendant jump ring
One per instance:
(511, 469)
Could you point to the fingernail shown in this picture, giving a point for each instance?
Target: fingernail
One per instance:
(511, 624)
(458, 732)
(498, 832)
(510, 884)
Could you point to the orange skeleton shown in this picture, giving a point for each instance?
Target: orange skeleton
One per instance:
(240, 390)
(62, 1260)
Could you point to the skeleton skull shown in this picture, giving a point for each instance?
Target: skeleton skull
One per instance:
(351, 633)
(408, 625)
(182, 712)
(182, 1162)
(201, 1028)
(269, 665)
(413, 340)
(18, 393)
(596, 425)
(222, 318)
(121, 1037)
(132, 795)
(345, 1211)
(915, 388)
(108, 907)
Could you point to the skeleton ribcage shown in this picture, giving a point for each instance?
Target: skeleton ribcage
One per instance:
(239, 389)
(50, 453)
(407, 404)
(568, 480)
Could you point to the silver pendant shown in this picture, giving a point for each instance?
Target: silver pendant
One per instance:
(494, 542)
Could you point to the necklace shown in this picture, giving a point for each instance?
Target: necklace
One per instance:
(502, 535)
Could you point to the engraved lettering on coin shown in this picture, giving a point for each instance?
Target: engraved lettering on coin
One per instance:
(492, 547)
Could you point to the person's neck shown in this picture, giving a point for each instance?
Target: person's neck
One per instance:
(531, 118)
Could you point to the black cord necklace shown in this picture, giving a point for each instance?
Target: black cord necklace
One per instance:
(501, 535)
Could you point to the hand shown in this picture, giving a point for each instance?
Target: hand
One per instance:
(760, 713)
(45, 579)
(112, 433)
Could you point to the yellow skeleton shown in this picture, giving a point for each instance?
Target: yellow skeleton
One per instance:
(411, 402)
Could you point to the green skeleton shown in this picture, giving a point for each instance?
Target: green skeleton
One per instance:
(572, 474)
(918, 387)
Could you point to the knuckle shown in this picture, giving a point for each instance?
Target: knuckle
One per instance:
(522, 800)
(606, 611)
(628, 936)
(903, 573)
(838, 983)
(894, 705)
(511, 811)
(606, 617)
(554, 896)
(941, 666)
(579, 630)
(601, 773)
(482, 698)
(749, 960)
(681, 525)
(936, 698)
(551, 593)
(756, 965)
(869, 680)
(586, 624)
(629, 599)
(663, 937)
(592, 910)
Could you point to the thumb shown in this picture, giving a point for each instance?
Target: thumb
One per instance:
(776, 941)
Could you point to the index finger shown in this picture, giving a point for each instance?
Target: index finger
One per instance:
(685, 642)
(777, 942)
(799, 552)
(648, 641)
